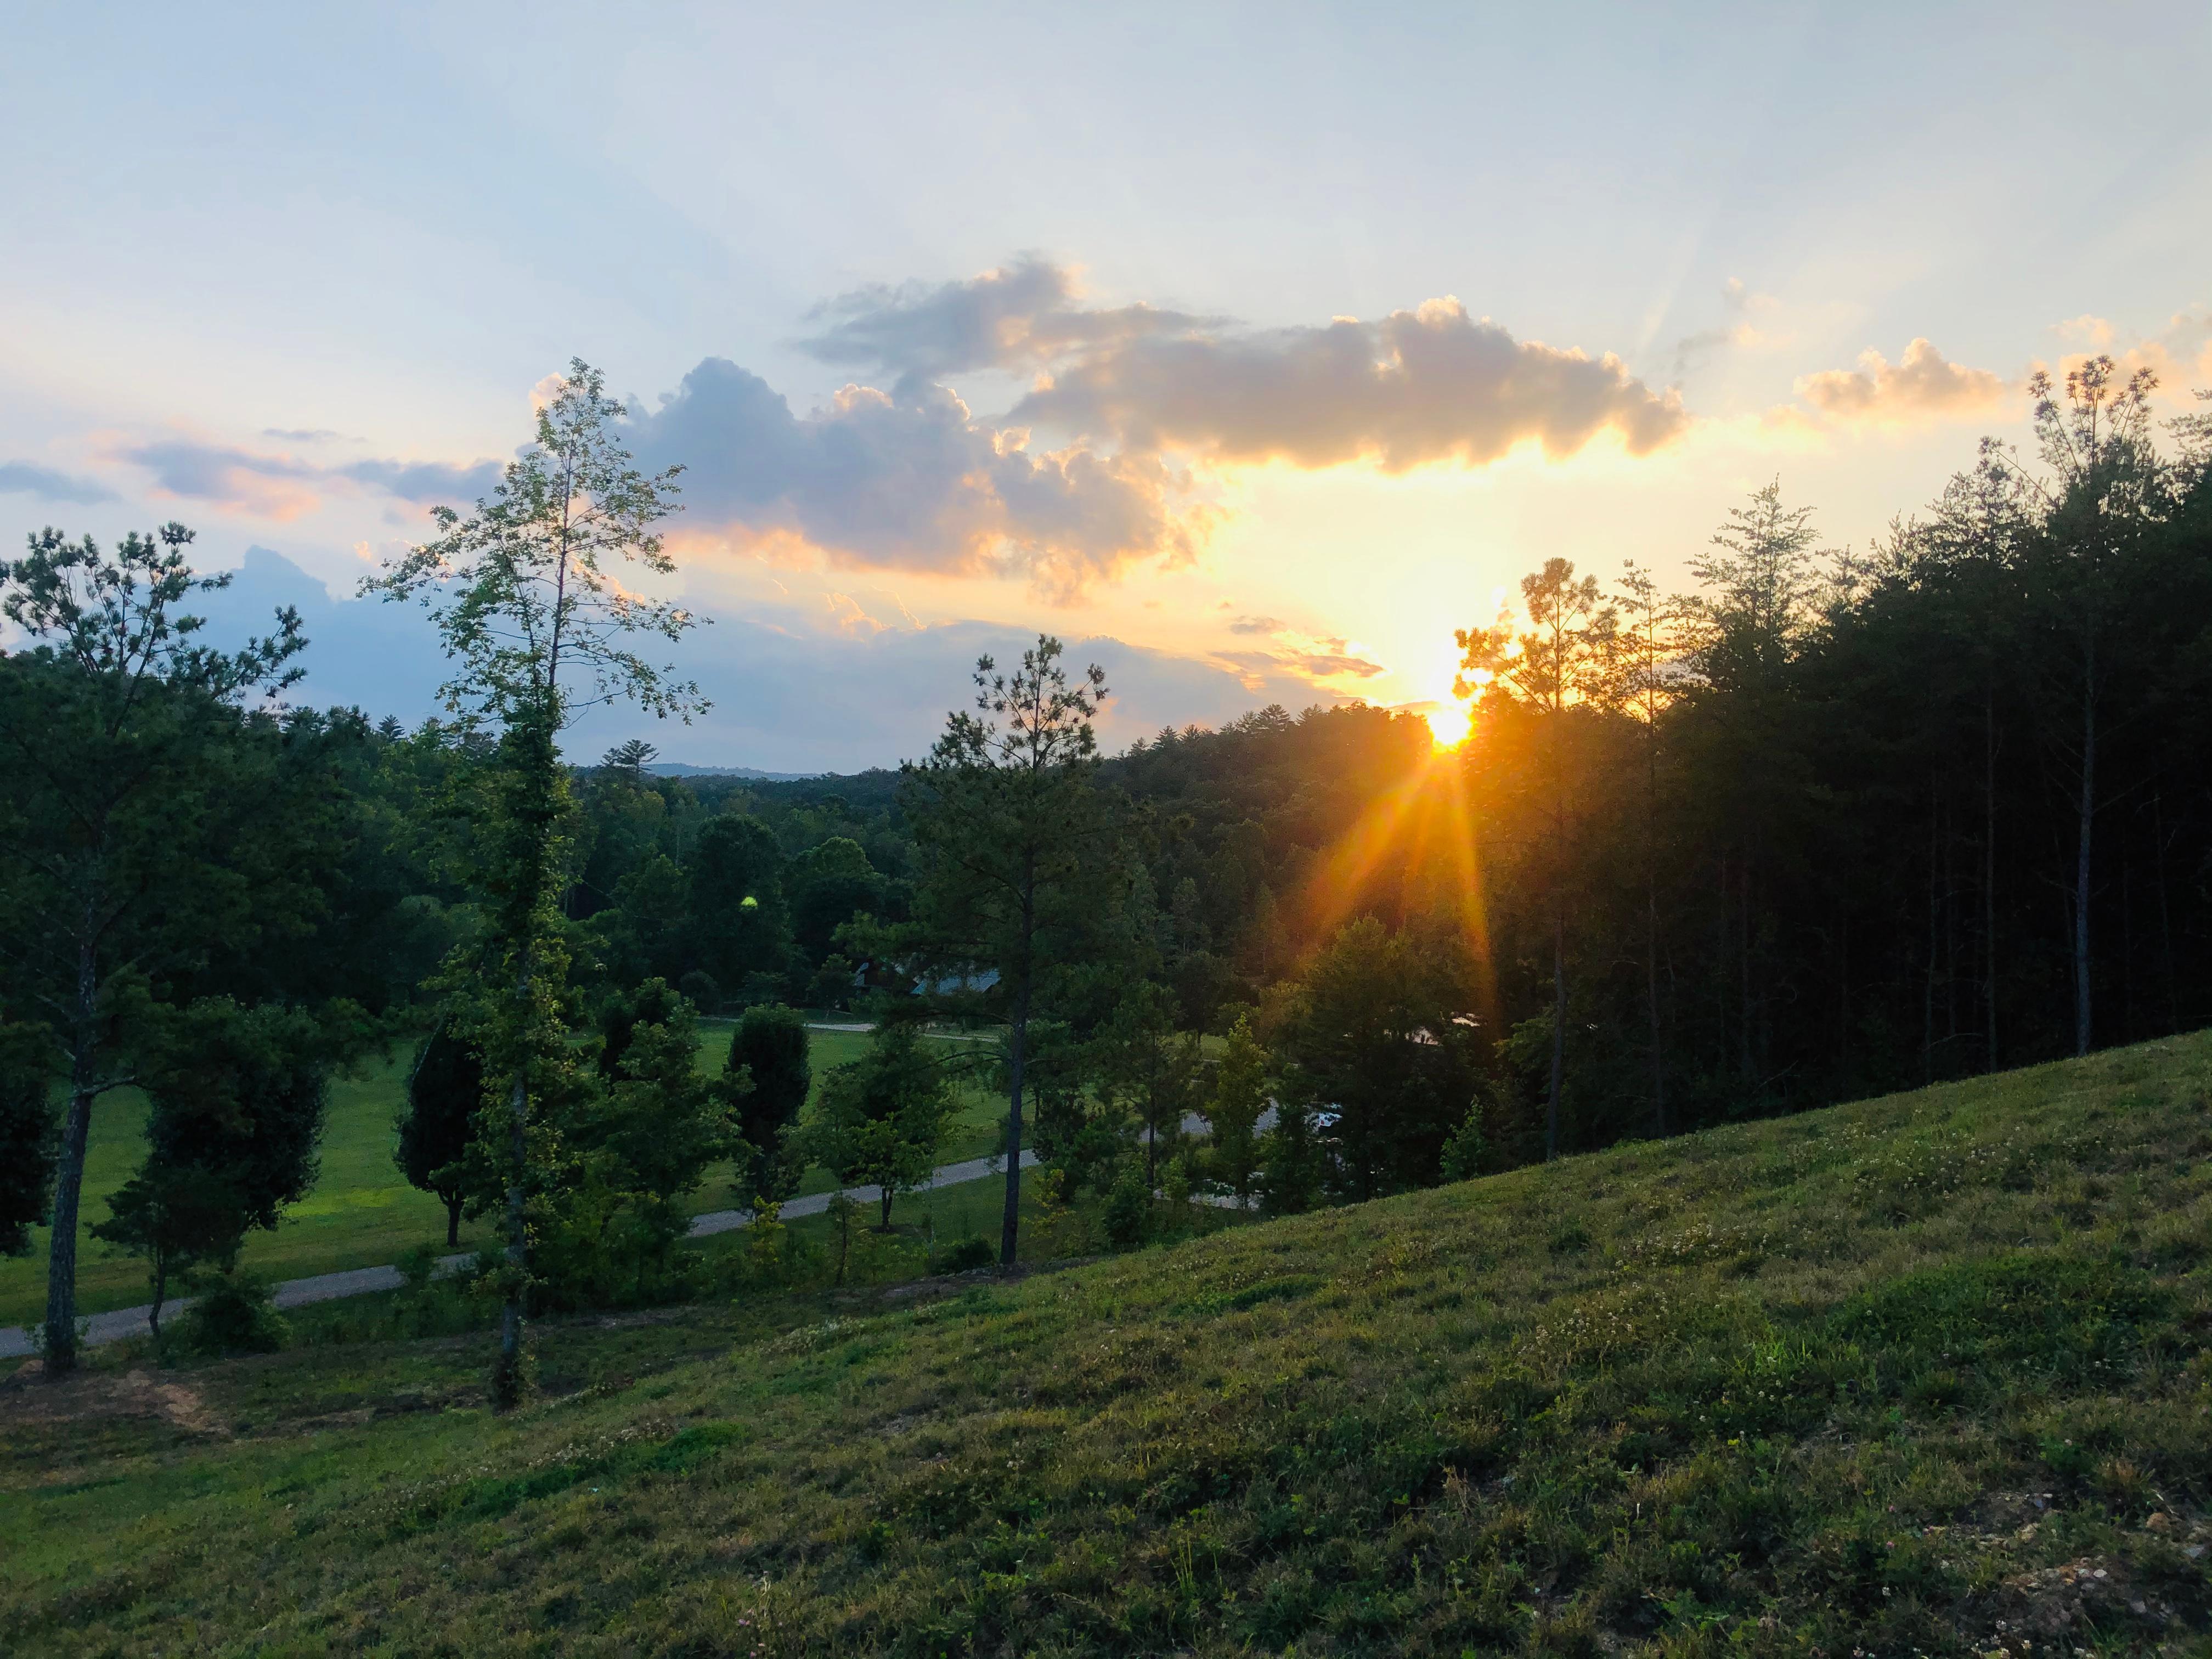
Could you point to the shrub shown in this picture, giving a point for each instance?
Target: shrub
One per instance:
(235, 1314)
(967, 1256)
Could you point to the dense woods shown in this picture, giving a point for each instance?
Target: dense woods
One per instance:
(1826, 823)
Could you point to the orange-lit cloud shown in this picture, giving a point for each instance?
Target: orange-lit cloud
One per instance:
(1924, 385)
(1418, 387)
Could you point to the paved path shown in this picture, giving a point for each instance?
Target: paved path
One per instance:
(15, 1339)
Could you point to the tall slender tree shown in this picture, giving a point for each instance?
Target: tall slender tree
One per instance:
(1014, 837)
(2106, 491)
(1566, 655)
(1648, 651)
(527, 596)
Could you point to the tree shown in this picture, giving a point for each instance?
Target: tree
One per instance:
(881, 1118)
(146, 823)
(444, 1092)
(526, 593)
(1151, 1068)
(829, 885)
(2107, 491)
(238, 1098)
(1370, 1042)
(1647, 651)
(1233, 1106)
(770, 1047)
(1565, 656)
(1014, 839)
(26, 1134)
(630, 761)
(740, 920)
(632, 1148)
(178, 1219)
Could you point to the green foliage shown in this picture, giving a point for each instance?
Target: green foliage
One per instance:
(1233, 1105)
(1463, 1158)
(1373, 1040)
(736, 859)
(881, 1118)
(27, 1126)
(445, 1092)
(177, 1219)
(632, 1148)
(967, 1256)
(770, 1047)
(1019, 855)
(1292, 1162)
(1128, 1217)
(233, 1313)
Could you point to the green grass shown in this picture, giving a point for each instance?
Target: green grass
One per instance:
(362, 1211)
(1870, 1380)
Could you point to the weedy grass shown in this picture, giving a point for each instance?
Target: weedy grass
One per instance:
(1924, 1374)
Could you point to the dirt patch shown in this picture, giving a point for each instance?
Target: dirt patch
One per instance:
(28, 1397)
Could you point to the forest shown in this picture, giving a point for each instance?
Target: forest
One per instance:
(1828, 822)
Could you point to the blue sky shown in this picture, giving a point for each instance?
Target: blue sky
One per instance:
(969, 323)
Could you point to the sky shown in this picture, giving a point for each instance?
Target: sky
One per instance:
(1249, 349)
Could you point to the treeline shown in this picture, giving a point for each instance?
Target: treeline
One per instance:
(1827, 824)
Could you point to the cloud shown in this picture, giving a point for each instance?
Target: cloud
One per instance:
(1309, 657)
(299, 434)
(28, 478)
(2179, 354)
(790, 693)
(1021, 315)
(283, 487)
(1421, 387)
(910, 483)
(1923, 387)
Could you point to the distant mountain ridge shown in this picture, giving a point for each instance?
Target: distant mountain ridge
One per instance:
(685, 770)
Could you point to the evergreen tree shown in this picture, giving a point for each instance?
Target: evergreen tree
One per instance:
(445, 1090)
(1017, 844)
(770, 1048)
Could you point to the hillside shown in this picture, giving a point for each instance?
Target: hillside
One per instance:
(1926, 1373)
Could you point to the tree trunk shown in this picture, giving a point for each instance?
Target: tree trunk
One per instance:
(68, 1163)
(507, 1378)
(1558, 1035)
(61, 1265)
(161, 1295)
(2085, 809)
(1989, 877)
(1010, 1224)
(885, 1194)
(453, 1223)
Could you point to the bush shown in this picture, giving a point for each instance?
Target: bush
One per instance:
(235, 1314)
(966, 1256)
(699, 986)
(1129, 1210)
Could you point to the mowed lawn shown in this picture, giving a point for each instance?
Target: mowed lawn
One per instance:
(362, 1211)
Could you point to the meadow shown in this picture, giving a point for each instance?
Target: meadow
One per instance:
(362, 1211)
(1922, 1374)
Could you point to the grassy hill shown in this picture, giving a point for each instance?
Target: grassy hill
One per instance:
(1924, 1374)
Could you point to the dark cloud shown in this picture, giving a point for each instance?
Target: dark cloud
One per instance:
(282, 486)
(1023, 315)
(906, 483)
(1257, 625)
(786, 698)
(428, 483)
(1418, 387)
(27, 478)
